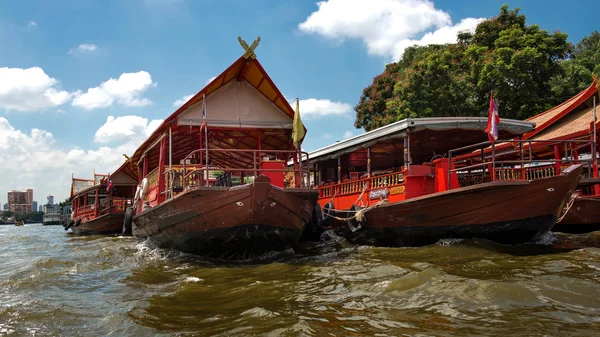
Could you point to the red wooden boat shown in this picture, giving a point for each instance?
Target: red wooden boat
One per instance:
(372, 193)
(564, 134)
(99, 204)
(212, 176)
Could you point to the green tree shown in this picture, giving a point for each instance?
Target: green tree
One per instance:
(504, 54)
(578, 69)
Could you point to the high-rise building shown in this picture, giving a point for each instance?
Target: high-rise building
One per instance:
(35, 206)
(5, 208)
(40, 208)
(20, 202)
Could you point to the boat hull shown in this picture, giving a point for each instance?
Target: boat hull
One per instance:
(51, 223)
(510, 212)
(229, 222)
(584, 216)
(105, 224)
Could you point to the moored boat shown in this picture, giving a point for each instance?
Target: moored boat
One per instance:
(372, 193)
(212, 176)
(99, 205)
(563, 134)
(51, 219)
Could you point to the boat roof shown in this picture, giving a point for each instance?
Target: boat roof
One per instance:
(399, 130)
(79, 185)
(569, 119)
(126, 174)
(247, 72)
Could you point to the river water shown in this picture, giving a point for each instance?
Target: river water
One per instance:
(55, 284)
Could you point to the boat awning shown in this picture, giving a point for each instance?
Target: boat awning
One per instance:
(442, 125)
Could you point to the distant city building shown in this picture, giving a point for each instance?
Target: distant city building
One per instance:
(41, 208)
(5, 208)
(20, 202)
(35, 206)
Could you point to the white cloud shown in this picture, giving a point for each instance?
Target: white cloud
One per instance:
(347, 134)
(38, 163)
(314, 108)
(210, 80)
(387, 27)
(84, 48)
(327, 135)
(30, 90)
(31, 24)
(125, 90)
(182, 100)
(126, 129)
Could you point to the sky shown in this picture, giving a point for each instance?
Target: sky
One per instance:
(83, 82)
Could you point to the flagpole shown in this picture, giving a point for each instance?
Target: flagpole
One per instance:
(595, 150)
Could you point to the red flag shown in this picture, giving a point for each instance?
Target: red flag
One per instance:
(493, 120)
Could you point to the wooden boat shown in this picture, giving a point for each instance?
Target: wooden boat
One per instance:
(563, 135)
(372, 193)
(99, 204)
(212, 176)
(19, 223)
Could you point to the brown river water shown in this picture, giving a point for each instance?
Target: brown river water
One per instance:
(55, 284)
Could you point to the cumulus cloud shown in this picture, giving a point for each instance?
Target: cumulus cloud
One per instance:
(86, 47)
(126, 90)
(37, 162)
(314, 108)
(182, 100)
(347, 134)
(386, 27)
(210, 80)
(126, 129)
(30, 89)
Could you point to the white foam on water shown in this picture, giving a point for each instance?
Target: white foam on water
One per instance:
(448, 242)
(193, 279)
(547, 239)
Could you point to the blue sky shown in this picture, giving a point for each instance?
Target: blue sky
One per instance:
(325, 55)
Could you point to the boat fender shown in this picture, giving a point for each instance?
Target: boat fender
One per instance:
(356, 219)
(68, 224)
(71, 223)
(127, 220)
(327, 209)
(316, 221)
(78, 222)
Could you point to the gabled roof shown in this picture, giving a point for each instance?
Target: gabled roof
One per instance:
(247, 69)
(127, 171)
(79, 185)
(548, 118)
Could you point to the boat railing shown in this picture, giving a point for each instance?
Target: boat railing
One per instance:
(524, 168)
(186, 176)
(357, 186)
(113, 205)
(86, 210)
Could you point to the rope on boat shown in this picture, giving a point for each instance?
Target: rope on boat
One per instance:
(567, 207)
(360, 214)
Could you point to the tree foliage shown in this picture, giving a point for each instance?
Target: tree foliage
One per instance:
(518, 62)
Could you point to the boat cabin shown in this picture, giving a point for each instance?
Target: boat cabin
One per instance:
(92, 198)
(236, 128)
(563, 135)
(402, 160)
